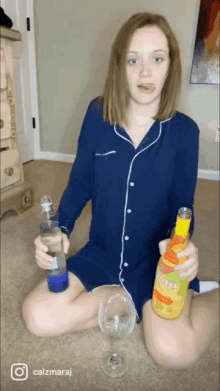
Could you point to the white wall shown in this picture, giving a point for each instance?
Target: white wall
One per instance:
(73, 43)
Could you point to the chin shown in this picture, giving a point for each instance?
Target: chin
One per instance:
(145, 100)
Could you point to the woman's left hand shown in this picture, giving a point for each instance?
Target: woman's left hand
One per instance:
(189, 268)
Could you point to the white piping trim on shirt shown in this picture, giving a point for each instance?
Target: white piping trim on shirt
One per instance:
(126, 201)
(103, 154)
(122, 136)
(136, 146)
(65, 229)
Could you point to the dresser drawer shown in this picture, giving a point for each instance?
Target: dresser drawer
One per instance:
(5, 144)
(11, 167)
(5, 121)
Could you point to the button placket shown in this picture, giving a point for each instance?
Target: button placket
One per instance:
(129, 210)
(125, 264)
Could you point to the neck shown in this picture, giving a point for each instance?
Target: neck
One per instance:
(141, 114)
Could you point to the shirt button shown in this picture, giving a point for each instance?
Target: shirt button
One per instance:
(125, 264)
(132, 184)
(129, 210)
(126, 237)
(122, 279)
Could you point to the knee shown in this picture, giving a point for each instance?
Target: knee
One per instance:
(174, 361)
(173, 358)
(33, 317)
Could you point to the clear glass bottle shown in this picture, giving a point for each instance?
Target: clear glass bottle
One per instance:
(169, 291)
(51, 236)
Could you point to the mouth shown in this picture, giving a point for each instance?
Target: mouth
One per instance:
(147, 87)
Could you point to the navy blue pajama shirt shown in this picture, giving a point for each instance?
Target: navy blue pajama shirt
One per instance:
(135, 194)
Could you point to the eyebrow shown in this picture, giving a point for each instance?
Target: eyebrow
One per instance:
(160, 50)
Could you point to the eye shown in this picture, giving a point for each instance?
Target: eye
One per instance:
(132, 59)
(160, 58)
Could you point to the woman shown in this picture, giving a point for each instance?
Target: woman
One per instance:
(137, 160)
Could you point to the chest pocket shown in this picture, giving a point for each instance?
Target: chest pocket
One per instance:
(105, 164)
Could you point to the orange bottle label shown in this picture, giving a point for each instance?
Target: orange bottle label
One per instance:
(176, 240)
(171, 257)
(164, 268)
(161, 298)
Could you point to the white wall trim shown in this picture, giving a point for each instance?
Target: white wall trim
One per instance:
(33, 79)
(56, 156)
(209, 174)
(62, 157)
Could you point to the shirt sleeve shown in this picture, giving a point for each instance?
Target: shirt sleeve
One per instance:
(186, 171)
(78, 189)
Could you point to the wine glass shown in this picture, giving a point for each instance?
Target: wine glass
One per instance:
(117, 318)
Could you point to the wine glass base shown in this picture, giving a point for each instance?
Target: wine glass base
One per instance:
(114, 366)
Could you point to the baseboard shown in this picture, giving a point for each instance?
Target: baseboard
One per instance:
(55, 156)
(209, 174)
(65, 158)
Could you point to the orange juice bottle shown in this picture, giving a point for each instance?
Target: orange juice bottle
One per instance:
(169, 291)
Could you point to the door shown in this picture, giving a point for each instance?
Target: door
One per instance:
(25, 81)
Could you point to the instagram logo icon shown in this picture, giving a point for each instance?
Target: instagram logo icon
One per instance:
(19, 371)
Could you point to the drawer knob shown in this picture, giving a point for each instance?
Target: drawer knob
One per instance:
(9, 171)
(1, 123)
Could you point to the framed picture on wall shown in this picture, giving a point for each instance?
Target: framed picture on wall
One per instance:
(205, 65)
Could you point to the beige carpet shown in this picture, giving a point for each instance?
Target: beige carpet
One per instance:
(82, 351)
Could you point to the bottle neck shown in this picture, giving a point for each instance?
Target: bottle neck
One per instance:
(182, 227)
(48, 210)
(49, 217)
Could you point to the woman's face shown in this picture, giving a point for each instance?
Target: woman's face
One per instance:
(147, 63)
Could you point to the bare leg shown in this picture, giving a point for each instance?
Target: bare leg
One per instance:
(205, 319)
(178, 343)
(49, 314)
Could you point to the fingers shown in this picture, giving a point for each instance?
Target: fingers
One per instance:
(66, 243)
(189, 262)
(189, 250)
(163, 246)
(38, 243)
(189, 273)
(42, 258)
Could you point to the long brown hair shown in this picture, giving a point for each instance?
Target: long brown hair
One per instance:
(115, 97)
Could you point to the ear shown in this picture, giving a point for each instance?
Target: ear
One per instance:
(163, 245)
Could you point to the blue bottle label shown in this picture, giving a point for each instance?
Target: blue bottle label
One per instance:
(58, 283)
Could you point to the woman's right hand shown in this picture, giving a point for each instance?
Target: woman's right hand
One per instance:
(42, 258)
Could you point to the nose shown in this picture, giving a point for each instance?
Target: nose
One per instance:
(145, 68)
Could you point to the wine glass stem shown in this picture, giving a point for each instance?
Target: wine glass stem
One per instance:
(114, 349)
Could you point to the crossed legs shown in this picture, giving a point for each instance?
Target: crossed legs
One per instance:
(174, 344)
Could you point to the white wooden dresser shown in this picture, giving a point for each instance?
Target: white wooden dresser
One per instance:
(16, 194)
